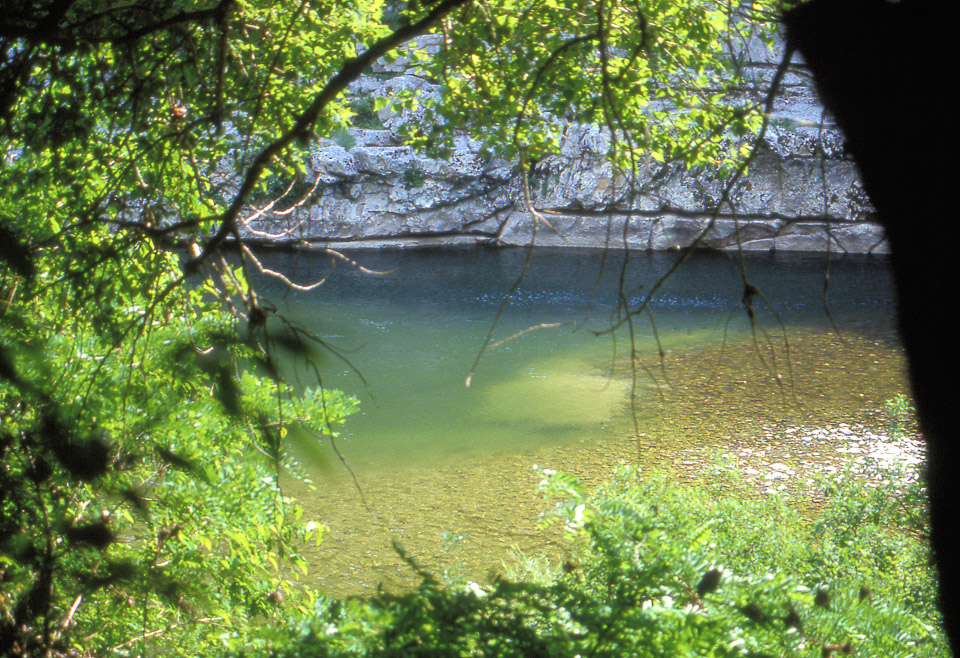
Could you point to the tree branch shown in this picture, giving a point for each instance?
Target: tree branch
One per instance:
(47, 31)
(351, 70)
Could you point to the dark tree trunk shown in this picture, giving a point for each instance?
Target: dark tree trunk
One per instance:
(882, 69)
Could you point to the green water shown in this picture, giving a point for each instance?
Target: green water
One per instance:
(432, 455)
(536, 391)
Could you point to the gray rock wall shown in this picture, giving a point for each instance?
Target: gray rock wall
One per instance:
(802, 193)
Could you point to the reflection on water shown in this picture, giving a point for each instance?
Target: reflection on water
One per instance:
(433, 455)
(553, 394)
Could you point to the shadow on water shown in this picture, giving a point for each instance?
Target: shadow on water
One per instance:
(434, 456)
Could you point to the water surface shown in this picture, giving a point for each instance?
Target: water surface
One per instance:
(433, 455)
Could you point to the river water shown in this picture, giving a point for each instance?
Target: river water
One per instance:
(446, 470)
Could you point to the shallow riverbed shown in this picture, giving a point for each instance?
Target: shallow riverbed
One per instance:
(435, 458)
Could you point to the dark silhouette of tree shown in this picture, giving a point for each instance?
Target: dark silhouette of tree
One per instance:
(882, 68)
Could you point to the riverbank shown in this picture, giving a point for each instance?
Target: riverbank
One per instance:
(785, 459)
(475, 514)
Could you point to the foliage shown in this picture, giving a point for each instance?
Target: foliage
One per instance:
(142, 415)
(413, 178)
(901, 416)
(657, 76)
(142, 392)
(182, 524)
(667, 570)
(365, 113)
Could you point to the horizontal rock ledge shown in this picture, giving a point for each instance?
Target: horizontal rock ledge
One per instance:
(643, 233)
(373, 191)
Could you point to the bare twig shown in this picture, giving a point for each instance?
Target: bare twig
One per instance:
(529, 330)
(161, 631)
(277, 275)
(65, 622)
(303, 126)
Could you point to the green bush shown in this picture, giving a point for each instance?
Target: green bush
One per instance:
(343, 138)
(413, 178)
(901, 416)
(365, 114)
(667, 570)
(140, 509)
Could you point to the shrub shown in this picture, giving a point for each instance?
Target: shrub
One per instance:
(365, 113)
(148, 514)
(901, 416)
(672, 571)
(413, 178)
(343, 138)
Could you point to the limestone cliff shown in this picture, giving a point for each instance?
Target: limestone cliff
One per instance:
(802, 193)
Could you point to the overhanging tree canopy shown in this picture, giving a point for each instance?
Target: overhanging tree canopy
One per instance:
(131, 130)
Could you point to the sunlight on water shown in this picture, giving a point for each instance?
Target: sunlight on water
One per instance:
(561, 392)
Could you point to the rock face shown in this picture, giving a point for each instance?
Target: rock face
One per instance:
(802, 192)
